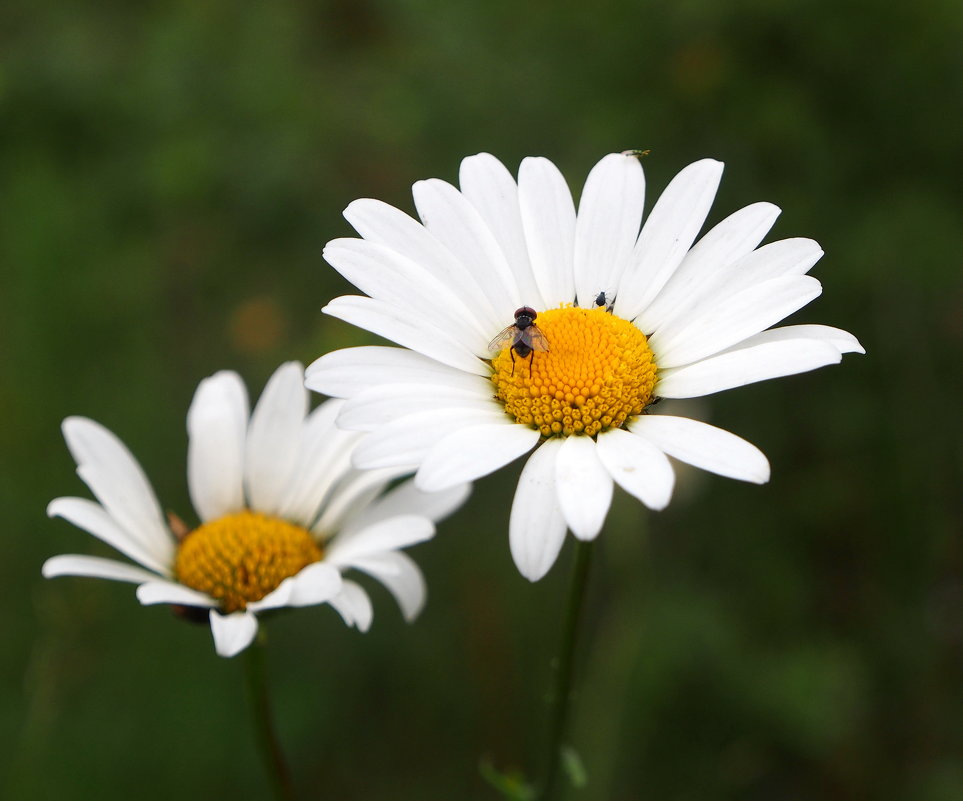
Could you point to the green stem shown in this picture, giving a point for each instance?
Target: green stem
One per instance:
(274, 764)
(562, 668)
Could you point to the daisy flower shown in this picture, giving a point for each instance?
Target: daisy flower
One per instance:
(607, 320)
(283, 513)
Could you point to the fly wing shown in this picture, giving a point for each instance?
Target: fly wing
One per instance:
(503, 339)
(535, 339)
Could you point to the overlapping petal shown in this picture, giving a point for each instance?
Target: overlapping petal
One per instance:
(354, 605)
(401, 576)
(473, 452)
(668, 233)
(119, 483)
(349, 372)
(93, 518)
(704, 446)
(548, 219)
(407, 328)
(638, 466)
(232, 633)
(217, 429)
(746, 365)
(607, 225)
(584, 487)
(95, 567)
(536, 527)
(701, 275)
(273, 438)
(492, 190)
(378, 222)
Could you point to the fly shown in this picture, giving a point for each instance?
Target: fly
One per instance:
(522, 337)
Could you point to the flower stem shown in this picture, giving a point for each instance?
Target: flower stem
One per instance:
(562, 668)
(274, 763)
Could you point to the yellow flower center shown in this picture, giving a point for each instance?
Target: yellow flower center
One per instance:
(240, 558)
(597, 373)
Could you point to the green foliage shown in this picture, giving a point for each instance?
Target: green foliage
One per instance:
(168, 175)
(511, 785)
(573, 767)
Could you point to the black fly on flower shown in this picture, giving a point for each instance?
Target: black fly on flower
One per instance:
(522, 336)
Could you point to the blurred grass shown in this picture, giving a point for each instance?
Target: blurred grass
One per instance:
(168, 175)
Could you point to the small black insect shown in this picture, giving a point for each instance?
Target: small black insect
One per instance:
(522, 336)
(602, 300)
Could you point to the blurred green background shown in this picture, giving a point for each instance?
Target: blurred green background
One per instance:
(168, 175)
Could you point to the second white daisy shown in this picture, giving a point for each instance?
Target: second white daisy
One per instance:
(283, 513)
(607, 319)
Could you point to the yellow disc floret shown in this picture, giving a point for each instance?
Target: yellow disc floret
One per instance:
(240, 558)
(598, 372)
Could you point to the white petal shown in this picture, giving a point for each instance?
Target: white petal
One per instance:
(373, 408)
(403, 578)
(794, 256)
(536, 528)
(704, 446)
(746, 314)
(352, 497)
(392, 534)
(169, 592)
(232, 633)
(607, 226)
(843, 341)
(407, 440)
(388, 276)
(406, 498)
(273, 438)
(783, 258)
(406, 328)
(638, 467)
(217, 429)
(379, 222)
(452, 219)
(116, 479)
(667, 235)
(92, 517)
(491, 189)
(473, 452)
(744, 366)
(584, 487)
(315, 584)
(323, 458)
(95, 567)
(348, 372)
(548, 218)
(704, 269)
(354, 605)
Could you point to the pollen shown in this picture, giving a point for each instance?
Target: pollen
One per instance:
(240, 558)
(597, 373)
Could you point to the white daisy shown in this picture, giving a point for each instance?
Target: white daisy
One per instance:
(626, 317)
(283, 513)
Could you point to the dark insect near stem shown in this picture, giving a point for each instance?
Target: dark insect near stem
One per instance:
(522, 336)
